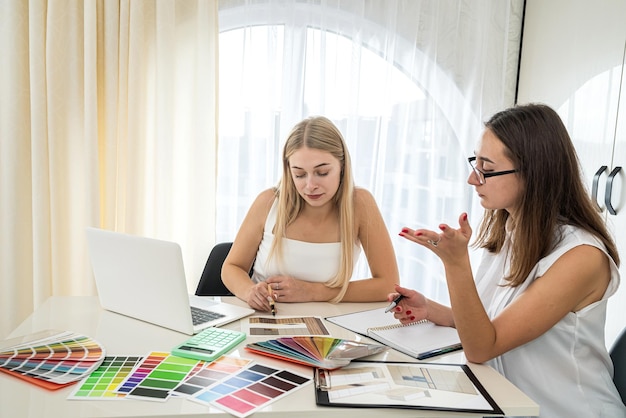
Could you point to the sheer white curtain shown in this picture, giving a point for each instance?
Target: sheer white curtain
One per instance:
(408, 82)
(107, 119)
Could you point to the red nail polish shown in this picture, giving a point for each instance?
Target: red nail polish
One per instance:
(465, 216)
(405, 230)
(408, 312)
(418, 234)
(412, 318)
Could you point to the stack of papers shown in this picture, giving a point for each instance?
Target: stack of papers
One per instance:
(51, 359)
(317, 351)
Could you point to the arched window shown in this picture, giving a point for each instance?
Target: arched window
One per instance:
(409, 108)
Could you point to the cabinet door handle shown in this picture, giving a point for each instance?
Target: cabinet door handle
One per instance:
(594, 186)
(609, 189)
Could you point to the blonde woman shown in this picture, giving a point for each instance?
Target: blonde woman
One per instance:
(304, 237)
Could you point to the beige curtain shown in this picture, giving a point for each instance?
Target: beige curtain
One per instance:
(108, 119)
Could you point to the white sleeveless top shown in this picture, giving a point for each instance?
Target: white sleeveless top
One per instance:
(311, 262)
(567, 370)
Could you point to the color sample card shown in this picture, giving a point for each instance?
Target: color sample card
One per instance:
(54, 357)
(207, 374)
(251, 389)
(140, 372)
(156, 376)
(57, 371)
(282, 326)
(102, 382)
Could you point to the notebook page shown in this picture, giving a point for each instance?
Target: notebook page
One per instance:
(419, 340)
(359, 322)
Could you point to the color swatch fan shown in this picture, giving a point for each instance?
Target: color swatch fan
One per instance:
(323, 352)
(51, 359)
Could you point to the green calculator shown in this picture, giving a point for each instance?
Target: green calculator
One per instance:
(209, 344)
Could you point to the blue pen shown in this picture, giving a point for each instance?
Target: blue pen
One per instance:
(394, 303)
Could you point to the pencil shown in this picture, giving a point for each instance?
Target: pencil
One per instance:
(270, 299)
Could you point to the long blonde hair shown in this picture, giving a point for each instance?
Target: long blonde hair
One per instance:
(318, 133)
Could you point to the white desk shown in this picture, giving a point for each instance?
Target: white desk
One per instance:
(125, 336)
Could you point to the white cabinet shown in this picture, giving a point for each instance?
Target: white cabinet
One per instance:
(573, 59)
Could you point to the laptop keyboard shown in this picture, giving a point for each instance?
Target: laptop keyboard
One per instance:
(200, 316)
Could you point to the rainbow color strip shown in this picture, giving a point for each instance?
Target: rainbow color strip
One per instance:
(53, 357)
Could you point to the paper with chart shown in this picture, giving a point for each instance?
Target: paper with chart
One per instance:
(446, 387)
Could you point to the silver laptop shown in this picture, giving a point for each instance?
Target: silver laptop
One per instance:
(144, 278)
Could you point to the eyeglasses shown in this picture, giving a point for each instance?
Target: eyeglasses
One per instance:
(481, 176)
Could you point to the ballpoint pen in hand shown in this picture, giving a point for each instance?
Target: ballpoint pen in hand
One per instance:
(394, 303)
(270, 299)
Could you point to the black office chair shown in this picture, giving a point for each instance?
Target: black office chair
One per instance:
(618, 355)
(210, 283)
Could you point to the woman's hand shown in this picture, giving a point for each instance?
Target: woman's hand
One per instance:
(289, 289)
(450, 245)
(258, 297)
(411, 308)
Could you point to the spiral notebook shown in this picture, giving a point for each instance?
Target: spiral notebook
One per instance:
(419, 340)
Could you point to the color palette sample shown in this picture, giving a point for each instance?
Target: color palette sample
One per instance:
(102, 382)
(251, 389)
(207, 374)
(318, 351)
(52, 359)
(155, 377)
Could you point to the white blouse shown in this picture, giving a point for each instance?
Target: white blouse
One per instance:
(567, 370)
(312, 262)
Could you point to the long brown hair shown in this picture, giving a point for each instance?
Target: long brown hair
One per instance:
(319, 133)
(554, 194)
